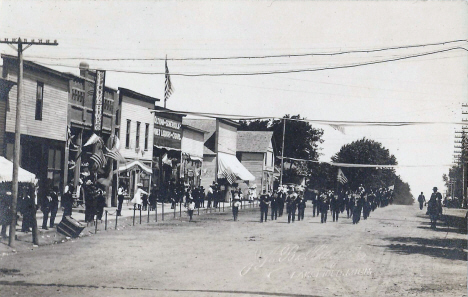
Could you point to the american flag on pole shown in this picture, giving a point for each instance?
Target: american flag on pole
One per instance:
(341, 178)
(168, 89)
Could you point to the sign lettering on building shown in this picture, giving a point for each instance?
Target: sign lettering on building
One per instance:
(98, 100)
(167, 123)
(167, 132)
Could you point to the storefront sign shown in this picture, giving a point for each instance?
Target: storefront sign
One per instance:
(167, 132)
(167, 123)
(98, 100)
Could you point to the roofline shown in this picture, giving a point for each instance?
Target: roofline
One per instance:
(133, 94)
(67, 76)
(229, 122)
(194, 129)
(168, 113)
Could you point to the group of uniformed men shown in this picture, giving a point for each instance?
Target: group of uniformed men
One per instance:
(355, 203)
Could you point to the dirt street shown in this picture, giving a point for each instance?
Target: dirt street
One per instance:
(392, 253)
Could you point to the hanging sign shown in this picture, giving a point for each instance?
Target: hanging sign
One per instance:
(98, 100)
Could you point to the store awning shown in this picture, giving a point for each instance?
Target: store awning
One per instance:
(230, 168)
(135, 163)
(6, 172)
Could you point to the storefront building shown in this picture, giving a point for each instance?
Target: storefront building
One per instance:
(79, 124)
(136, 140)
(192, 155)
(43, 123)
(167, 150)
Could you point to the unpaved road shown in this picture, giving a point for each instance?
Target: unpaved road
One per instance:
(393, 253)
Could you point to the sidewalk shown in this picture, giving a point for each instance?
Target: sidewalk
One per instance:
(125, 220)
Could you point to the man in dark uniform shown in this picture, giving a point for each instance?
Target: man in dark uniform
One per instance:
(281, 200)
(350, 205)
(335, 206)
(274, 205)
(264, 203)
(357, 210)
(301, 205)
(324, 206)
(291, 205)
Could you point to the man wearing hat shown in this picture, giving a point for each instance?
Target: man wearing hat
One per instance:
(281, 199)
(301, 205)
(264, 203)
(291, 205)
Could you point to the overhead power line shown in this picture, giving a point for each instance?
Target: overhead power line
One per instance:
(278, 71)
(260, 57)
(324, 122)
(377, 166)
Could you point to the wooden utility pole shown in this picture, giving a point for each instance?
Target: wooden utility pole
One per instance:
(16, 153)
(282, 153)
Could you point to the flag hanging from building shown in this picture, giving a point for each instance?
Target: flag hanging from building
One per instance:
(341, 178)
(168, 89)
(115, 155)
(98, 160)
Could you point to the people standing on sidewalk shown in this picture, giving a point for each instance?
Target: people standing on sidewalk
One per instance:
(45, 208)
(209, 195)
(152, 199)
(90, 200)
(137, 201)
(190, 207)
(28, 207)
(67, 201)
(5, 209)
(53, 206)
(120, 199)
(100, 204)
(235, 207)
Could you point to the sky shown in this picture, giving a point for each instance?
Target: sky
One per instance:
(427, 88)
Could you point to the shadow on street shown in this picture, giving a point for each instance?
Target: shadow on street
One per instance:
(451, 249)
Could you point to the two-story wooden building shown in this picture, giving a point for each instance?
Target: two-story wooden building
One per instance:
(255, 151)
(43, 123)
(79, 121)
(136, 136)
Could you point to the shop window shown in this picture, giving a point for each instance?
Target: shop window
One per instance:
(54, 166)
(146, 136)
(127, 135)
(137, 138)
(39, 100)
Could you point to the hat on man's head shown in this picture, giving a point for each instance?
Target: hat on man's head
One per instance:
(434, 188)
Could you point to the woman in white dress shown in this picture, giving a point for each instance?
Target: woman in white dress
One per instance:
(137, 197)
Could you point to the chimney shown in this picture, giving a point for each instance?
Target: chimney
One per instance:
(84, 68)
